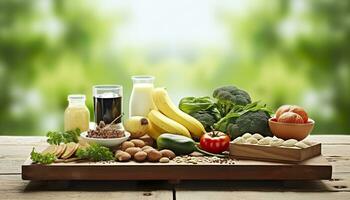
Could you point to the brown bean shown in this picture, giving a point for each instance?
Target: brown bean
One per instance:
(138, 143)
(133, 150)
(122, 156)
(140, 156)
(167, 153)
(126, 145)
(154, 155)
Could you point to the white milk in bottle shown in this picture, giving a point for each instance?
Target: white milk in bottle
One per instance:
(141, 102)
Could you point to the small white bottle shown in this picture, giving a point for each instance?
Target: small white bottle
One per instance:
(141, 103)
(76, 115)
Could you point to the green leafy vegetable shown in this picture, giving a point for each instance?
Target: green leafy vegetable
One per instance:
(251, 118)
(230, 111)
(39, 158)
(195, 104)
(201, 108)
(95, 153)
(56, 137)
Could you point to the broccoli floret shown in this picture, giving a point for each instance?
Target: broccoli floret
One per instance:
(206, 118)
(232, 94)
(230, 97)
(254, 122)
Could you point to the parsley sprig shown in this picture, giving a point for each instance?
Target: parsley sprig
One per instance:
(39, 158)
(56, 137)
(95, 153)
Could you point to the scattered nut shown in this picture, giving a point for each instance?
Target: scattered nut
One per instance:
(164, 160)
(122, 156)
(138, 143)
(126, 145)
(146, 147)
(167, 153)
(140, 156)
(133, 150)
(147, 150)
(154, 155)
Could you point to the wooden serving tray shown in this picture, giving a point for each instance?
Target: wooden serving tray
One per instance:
(316, 168)
(269, 153)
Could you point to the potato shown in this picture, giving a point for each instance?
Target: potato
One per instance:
(167, 153)
(140, 156)
(164, 160)
(122, 156)
(133, 150)
(126, 145)
(138, 143)
(154, 155)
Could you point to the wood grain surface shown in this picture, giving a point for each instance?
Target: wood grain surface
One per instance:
(15, 150)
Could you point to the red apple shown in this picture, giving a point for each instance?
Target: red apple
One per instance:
(300, 111)
(290, 117)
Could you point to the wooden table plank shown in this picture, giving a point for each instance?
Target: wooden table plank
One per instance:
(13, 187)
(261, 195)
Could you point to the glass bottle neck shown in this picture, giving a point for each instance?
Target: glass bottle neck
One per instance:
(76, 103)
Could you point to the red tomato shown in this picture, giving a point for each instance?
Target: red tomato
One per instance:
(215, 142)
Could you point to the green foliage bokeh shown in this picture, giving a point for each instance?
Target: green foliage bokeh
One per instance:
(62, 47)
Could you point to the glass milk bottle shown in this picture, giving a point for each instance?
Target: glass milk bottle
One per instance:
(141, 102)
(76, 115)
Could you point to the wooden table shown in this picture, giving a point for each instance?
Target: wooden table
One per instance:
(14, 150)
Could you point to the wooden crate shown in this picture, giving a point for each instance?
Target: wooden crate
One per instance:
(269, 153)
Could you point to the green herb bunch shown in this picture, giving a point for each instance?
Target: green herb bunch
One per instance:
(39, 158)
(95, 153)
(56, 137)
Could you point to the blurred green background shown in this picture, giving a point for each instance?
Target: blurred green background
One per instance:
(281, 52)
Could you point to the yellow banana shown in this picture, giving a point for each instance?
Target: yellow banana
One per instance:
(155, 131)
(167, 124)
(137, 126)
(164, 104)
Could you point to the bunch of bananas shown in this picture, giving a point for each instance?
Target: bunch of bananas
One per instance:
(168, 118)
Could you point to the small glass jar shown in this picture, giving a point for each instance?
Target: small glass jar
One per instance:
(108, 104)
(76, 115)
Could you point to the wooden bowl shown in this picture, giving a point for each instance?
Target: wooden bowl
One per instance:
(290, 130)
